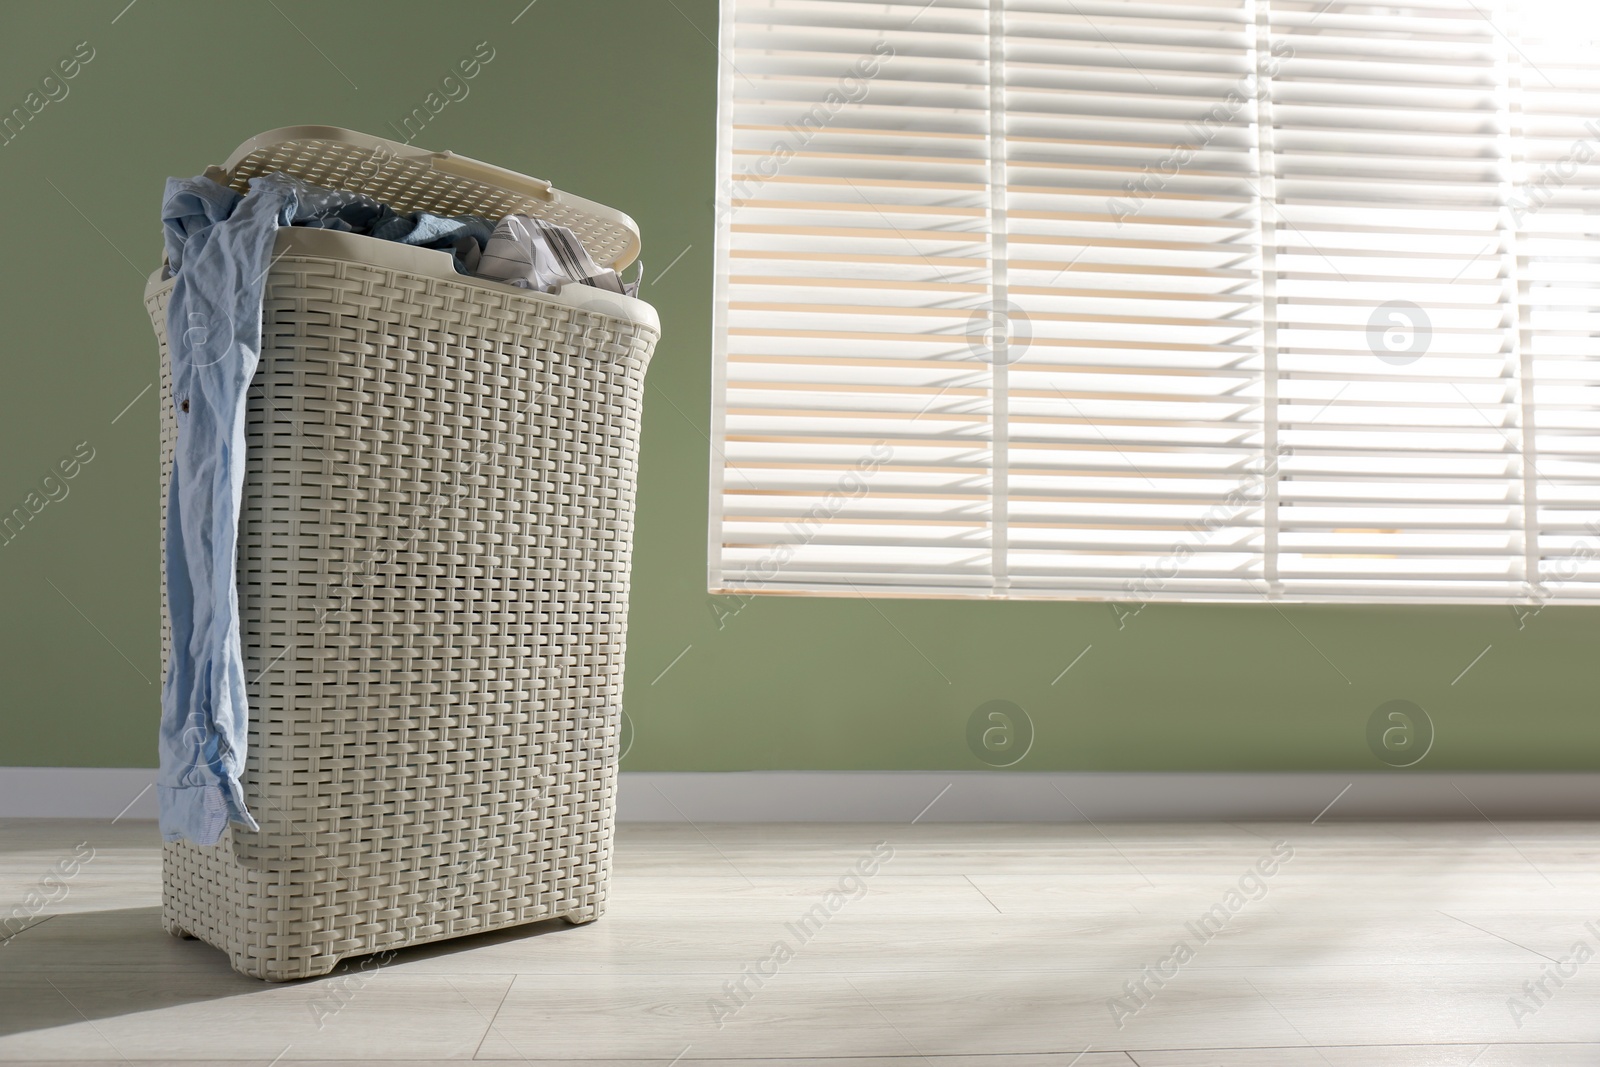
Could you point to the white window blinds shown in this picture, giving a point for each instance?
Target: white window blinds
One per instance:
(1158, 299)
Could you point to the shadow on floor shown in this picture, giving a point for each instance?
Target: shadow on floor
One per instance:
(81, 966)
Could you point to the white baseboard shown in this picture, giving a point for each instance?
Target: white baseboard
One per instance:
(1109, 796)
(954, 796)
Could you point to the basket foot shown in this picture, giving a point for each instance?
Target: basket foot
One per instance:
(179, 932)
(281, 971)
(581, 918)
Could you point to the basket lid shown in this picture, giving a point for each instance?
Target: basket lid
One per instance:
(408, 178)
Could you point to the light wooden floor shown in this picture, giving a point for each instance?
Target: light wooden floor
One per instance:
(974, 946)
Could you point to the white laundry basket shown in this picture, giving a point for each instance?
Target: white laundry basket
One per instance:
(434, 551)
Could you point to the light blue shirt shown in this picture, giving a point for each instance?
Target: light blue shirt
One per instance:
(219, 245)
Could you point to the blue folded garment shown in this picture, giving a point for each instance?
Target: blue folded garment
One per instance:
(463, 235)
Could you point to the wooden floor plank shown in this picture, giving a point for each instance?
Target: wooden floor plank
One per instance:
(973, 946)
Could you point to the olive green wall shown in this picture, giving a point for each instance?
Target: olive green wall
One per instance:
(614, 101)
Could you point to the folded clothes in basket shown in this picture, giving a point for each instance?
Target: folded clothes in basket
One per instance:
(539, 255)
(219, 248)
(335, 209)
(524, 251)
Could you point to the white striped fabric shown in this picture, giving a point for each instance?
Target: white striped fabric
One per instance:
(1158, 300)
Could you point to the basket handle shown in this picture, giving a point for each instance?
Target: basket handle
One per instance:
(488, 174)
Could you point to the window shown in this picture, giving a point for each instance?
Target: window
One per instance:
(1159, 300)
